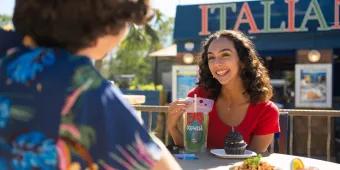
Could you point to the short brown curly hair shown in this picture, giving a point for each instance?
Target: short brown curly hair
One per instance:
(75, 24)
(253, 74)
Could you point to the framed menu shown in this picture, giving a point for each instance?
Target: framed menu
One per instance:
(184, 78)
(313, 85)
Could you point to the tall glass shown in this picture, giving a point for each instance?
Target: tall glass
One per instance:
(195, 131)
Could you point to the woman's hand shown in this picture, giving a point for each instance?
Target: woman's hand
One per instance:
(175, 111)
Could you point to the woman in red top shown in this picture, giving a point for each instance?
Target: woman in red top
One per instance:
(233, 76)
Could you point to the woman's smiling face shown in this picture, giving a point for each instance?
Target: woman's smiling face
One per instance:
(223, 60)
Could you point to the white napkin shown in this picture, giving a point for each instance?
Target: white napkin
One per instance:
(204, 105)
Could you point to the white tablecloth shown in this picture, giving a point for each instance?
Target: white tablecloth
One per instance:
(281, 161)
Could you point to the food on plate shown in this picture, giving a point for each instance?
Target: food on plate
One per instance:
(253, 163)
(234, 144)
(297, 164)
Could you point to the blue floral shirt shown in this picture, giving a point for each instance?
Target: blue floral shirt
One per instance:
(57, 112)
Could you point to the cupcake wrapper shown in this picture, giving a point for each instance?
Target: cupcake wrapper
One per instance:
(236, 150)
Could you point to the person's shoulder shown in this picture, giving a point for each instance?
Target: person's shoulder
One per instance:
(82, 74)
(268, 106)
(85, 76)
(109, 98)
(10, 37)
(199, 91)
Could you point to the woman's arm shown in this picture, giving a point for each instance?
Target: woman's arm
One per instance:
(267, 125)
(177, 136)
(260, 143)
(175, 112)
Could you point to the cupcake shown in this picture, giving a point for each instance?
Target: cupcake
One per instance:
(234, 144)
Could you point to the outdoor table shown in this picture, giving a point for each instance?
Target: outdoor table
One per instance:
(208, 161)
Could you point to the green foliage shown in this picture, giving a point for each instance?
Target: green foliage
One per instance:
(5, 19)
(150, 86)
(253, 161)
(131, 56)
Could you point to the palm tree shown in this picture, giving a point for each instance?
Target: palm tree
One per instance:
(131, 56)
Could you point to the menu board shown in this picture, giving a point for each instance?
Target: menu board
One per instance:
(184, 78)
(313, 85)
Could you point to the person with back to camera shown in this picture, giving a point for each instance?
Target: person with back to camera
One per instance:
(231, 74)
(56, 110)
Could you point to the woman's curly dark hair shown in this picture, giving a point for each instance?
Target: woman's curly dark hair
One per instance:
(253, 74)
(75, 24)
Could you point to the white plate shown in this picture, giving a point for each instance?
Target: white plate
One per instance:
(221, 153)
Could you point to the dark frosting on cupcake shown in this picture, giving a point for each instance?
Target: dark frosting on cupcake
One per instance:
(234, 143)
(234, 137)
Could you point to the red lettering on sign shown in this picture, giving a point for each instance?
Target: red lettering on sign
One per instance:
(204, 20)
(245, 11)
(336, 14)
(291, 15)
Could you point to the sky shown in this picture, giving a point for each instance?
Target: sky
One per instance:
(168, 7)
(6, 7)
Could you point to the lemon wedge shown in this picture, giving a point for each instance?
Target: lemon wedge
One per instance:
(297, 164)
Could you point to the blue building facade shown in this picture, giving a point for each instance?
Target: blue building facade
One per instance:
(284, 32)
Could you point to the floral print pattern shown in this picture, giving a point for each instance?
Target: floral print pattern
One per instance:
(79, 121)
(86, 77)
(4, 111)
(126, 155)
(33, 150)
(27, 66)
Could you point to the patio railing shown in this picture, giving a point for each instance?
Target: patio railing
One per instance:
(290, 112)
(309, 114)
